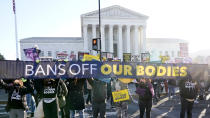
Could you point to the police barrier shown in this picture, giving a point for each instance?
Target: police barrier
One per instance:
(96, 69)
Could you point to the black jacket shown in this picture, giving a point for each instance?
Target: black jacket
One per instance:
(99, 90)
(16, 97)
(75, 94)
(188, 88)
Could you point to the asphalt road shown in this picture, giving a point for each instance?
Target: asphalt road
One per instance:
(165, 108)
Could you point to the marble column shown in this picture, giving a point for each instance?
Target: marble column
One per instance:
(143, 39)
(93, 31)
(93, 36)
(111, 38)
(120, 52)
(136, 40)
(85, 37)
(128, 41)
(102, 38)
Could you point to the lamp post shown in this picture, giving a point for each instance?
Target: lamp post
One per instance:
(99, 19)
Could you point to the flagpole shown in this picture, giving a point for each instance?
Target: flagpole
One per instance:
(16, 37)
(16, 33)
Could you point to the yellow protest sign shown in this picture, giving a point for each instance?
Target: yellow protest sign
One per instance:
(121, 95)
(90, 58)
(126, 80)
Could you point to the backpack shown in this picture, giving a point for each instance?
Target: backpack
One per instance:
(188, 90)
(144, 92)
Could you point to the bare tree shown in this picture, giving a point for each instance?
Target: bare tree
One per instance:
(1, 57)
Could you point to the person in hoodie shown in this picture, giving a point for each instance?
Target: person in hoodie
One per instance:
(146, 92)
(188, 92)
(17, 105)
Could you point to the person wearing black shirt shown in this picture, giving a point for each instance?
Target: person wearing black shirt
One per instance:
(50, 103)
(188, 92)
(75, 97)
(16, 105)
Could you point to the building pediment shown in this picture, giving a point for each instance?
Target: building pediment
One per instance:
(117, 12)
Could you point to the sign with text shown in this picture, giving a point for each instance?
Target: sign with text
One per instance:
(127, 57)
(96, 69)
(121, 95)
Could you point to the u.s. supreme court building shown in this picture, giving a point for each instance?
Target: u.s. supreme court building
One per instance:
(122, 31)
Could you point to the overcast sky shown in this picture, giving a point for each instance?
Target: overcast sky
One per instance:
(183, 19)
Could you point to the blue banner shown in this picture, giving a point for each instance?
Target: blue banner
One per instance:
(96, 69)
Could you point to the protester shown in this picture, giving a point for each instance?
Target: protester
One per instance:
(62, 93)
(50, 100)
(89, 88)
(31, 104)
(38, 90)
(121, 107)
(30, 98)
(166, 86)
(162, 86)
(146, 92)
(110, 88)
(156, 86)
(16, 105)
(171, 88)
(99, 92)
(76, 97)
(188, 92)
(66, 107)
(202, 90)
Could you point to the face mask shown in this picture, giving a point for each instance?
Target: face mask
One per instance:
(16, 85)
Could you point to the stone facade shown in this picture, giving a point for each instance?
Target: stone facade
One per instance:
(51, 46)
(122, 31)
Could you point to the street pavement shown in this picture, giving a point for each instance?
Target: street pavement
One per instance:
(165, 108)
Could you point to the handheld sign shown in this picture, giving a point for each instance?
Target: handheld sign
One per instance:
(121, 95)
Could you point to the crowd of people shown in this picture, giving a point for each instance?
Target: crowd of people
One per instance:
(54, 98)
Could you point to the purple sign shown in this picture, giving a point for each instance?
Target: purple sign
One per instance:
(32, 53)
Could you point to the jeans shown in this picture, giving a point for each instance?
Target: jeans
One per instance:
(171, 91)
(31, 102)
(145, 105)
(186, 106)
(73, 112)
(122, 110)
(17, 113)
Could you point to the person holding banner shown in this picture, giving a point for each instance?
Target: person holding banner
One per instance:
(76, 96)
(99, 95)
(146, 92)
(50, 100)
(122, 106)
(188, 93)
(16, 105)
